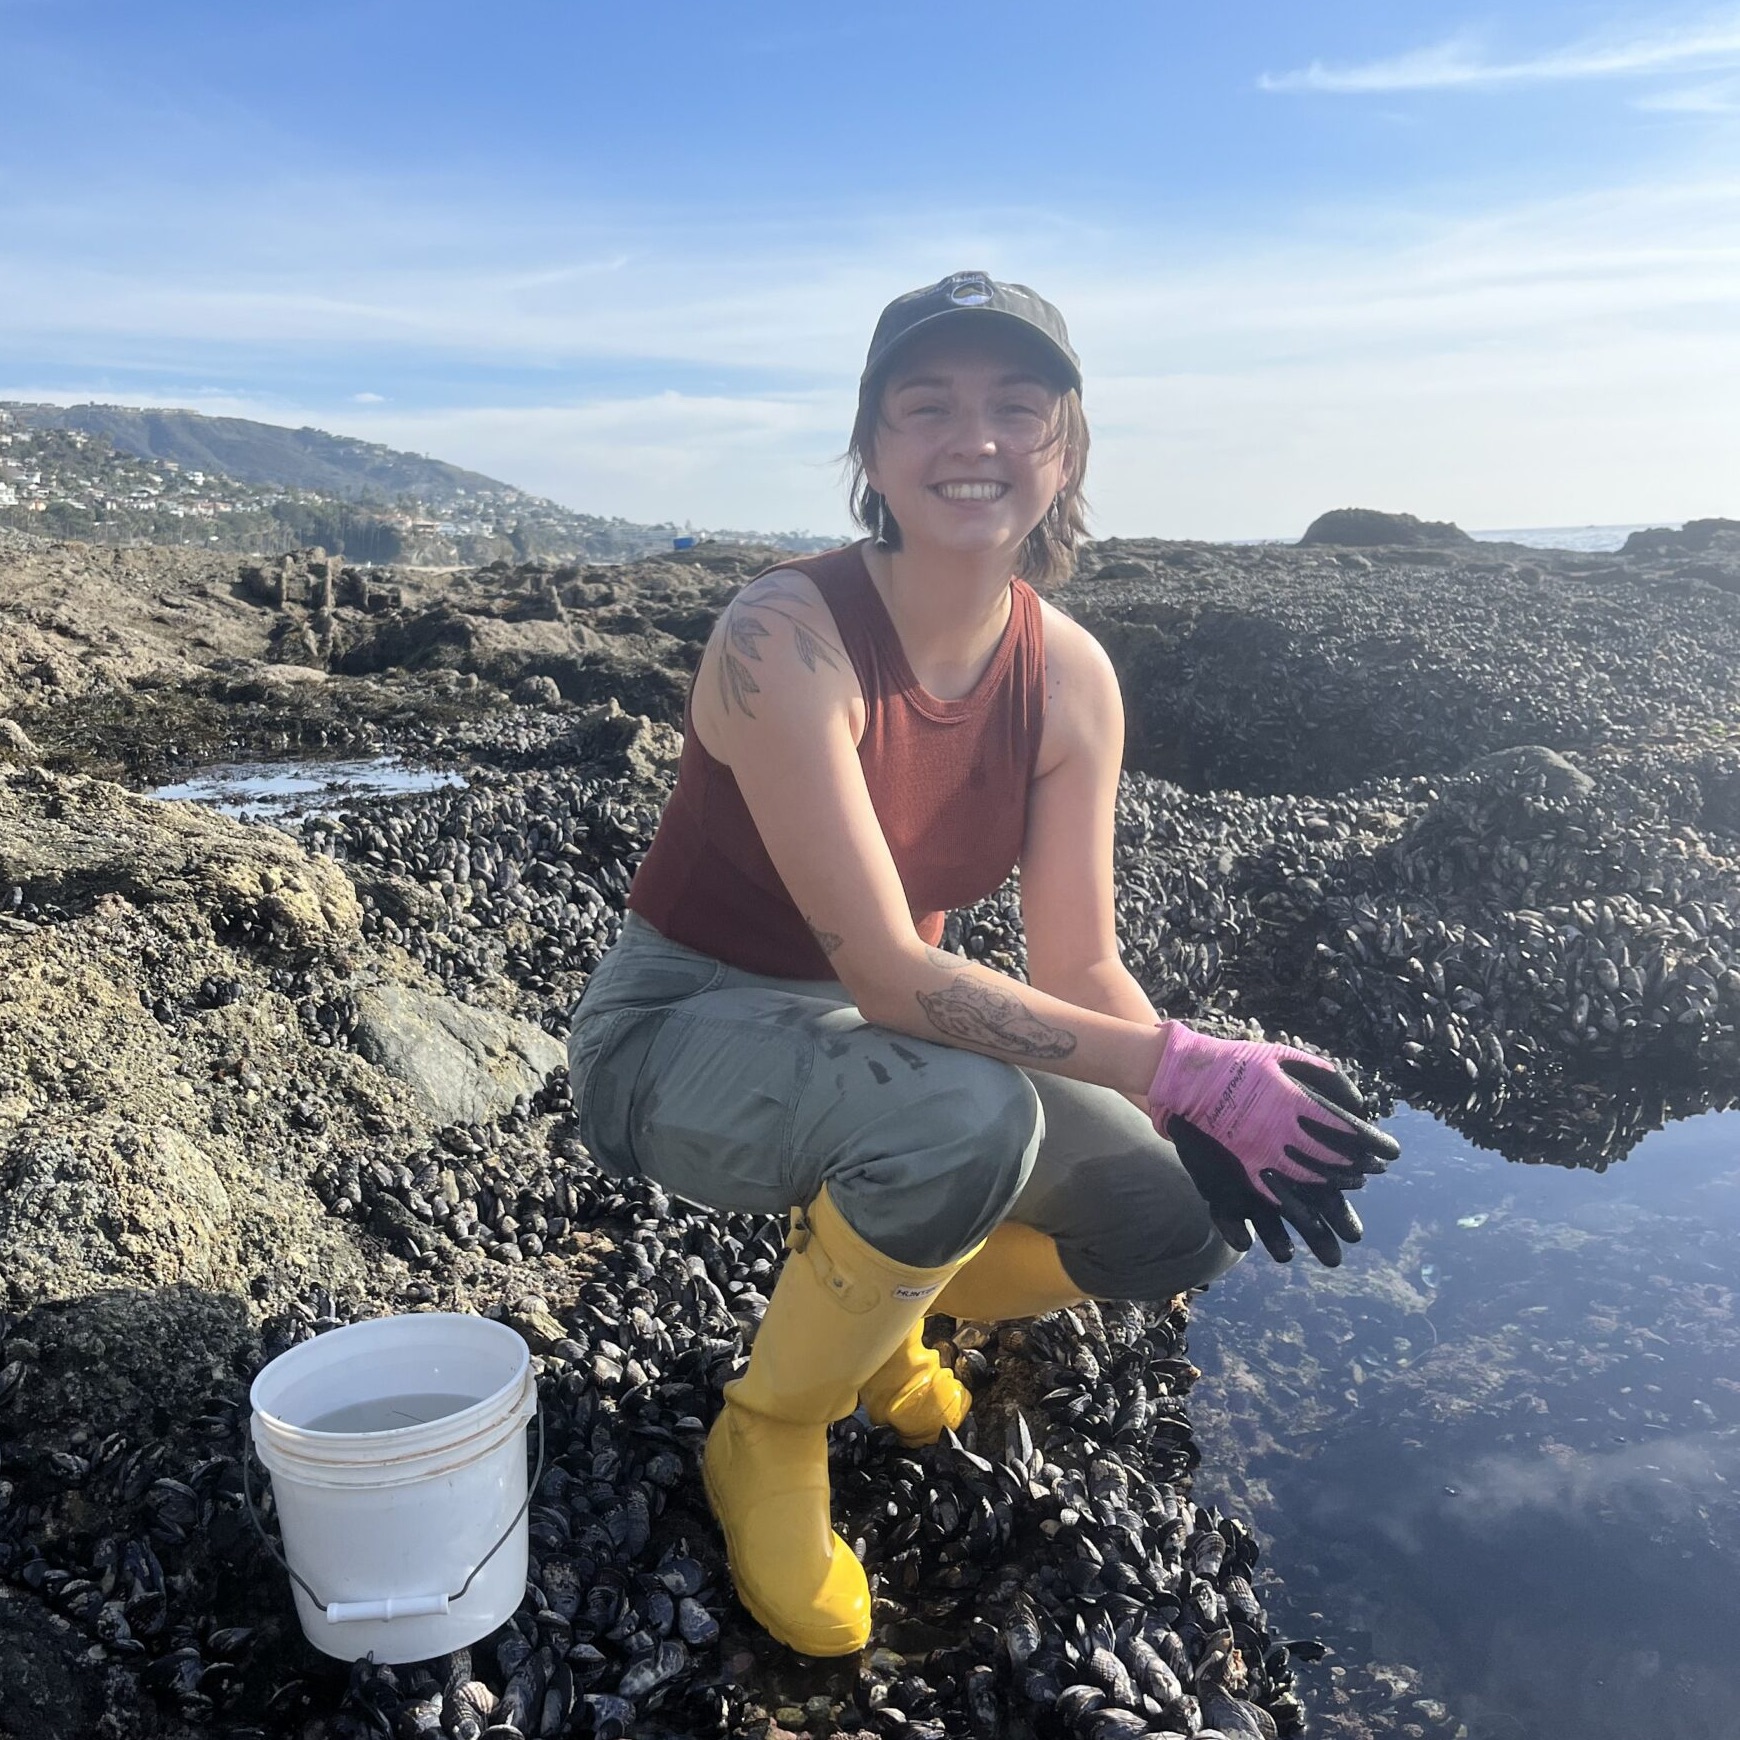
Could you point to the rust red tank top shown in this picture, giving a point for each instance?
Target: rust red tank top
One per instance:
(948, 780)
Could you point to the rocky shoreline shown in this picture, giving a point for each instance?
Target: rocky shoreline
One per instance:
(1469, 818)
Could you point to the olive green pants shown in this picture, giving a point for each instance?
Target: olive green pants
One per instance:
(743, 1092)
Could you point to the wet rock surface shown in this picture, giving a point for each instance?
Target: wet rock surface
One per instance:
(1471, 823)
(1312, 670)
(136, 663)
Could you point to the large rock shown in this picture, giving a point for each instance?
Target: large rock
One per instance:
(498, 644)
(606, 737)
(1714, 545)
(107, 1199)
(81, 621)
(1693, 538)
(1369, 527)
(1292, 670)
(69, 841)
(163, 1097)
(1512, 797)
(463, 1065)
(15, 743)
(134, 1351)
(507, 651)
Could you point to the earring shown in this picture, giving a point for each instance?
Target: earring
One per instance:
(881, 524)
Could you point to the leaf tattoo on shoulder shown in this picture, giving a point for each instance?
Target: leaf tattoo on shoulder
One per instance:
(811, 647)
(982, 1015)
(744, 633)
(736, 685)
(770, 589)
(746, 629)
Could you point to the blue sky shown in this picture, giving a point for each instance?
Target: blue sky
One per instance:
(1477, 264)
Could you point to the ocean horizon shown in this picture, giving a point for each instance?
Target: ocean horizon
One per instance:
(1590, 538)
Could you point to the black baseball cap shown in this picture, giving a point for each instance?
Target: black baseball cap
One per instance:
(981, 297)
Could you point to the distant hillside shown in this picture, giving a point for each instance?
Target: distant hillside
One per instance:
(122, 474)
(265, 453)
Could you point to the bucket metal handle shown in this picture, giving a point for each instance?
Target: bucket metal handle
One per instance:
(390, 1606)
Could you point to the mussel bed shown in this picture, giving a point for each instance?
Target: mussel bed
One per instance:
(1526, 923)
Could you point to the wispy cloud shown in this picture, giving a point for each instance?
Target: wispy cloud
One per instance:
(1532, 363)
(1462, 63)
(1721, 97)
(473, 274)
(760, 460)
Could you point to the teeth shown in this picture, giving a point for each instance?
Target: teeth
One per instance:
(971, 491)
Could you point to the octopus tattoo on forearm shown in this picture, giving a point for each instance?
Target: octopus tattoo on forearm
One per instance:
(746, 628)
(981, 1015)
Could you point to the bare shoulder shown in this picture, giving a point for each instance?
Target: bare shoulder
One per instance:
(775, 631)
(1077, 653)
(1081, 687)
(777, 584)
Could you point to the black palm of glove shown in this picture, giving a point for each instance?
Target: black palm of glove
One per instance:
(1320, 1213)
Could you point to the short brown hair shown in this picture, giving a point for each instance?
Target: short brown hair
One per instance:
(1048, 554)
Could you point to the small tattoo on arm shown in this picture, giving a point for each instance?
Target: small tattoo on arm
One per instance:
(982, 1015)
(827, 939)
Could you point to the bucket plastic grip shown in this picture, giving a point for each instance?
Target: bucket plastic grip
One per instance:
(389, 1606)
(394, 1607)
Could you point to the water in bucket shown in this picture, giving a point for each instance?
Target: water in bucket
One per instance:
(391, 1413)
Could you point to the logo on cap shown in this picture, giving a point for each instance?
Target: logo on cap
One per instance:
(969, 290)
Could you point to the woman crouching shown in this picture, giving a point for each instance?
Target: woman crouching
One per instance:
(875, 736)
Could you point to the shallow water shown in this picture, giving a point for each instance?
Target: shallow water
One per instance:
(286, 791)
(1501, 1445)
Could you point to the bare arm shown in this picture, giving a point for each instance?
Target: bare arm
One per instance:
(778, 703)
(1067, 899)
(1068, 904)
(1112, 989)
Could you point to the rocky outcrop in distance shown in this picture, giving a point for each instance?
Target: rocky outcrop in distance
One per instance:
(1713, 545)
(1355, 527)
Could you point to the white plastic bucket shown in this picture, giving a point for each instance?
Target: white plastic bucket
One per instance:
(382, 1528)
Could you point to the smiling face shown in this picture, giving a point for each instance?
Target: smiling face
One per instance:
(967, 451)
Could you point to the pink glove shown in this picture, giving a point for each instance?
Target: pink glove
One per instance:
(1270, 1109)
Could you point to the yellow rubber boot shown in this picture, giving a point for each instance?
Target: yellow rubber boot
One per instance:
(915, 1393)
(1015, 1273)
(838, 1312)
